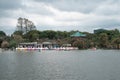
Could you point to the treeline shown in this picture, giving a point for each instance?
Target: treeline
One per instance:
(107, 39)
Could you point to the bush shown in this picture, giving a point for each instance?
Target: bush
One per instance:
(5, 44)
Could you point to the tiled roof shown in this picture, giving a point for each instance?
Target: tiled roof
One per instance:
(78, 34)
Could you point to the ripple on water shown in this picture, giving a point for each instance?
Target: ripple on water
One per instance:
(60, 65)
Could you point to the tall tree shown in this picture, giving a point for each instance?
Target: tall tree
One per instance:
(25, 25)
(20, 24)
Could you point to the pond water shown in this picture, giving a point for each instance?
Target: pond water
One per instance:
(60, 65)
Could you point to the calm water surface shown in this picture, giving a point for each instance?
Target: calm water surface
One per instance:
(60, 65)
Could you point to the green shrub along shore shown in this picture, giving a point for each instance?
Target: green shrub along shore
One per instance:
(106, 39)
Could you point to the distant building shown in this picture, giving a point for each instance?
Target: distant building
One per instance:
(99, 30)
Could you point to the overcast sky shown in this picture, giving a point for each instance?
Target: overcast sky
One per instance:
(65, 15)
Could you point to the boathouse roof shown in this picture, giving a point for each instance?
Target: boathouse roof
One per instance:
(78, 34)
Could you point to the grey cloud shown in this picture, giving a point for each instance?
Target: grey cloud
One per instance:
(110, 7)
(41, 11)
(104, 7)
(10, 4)
(96, 7)
(84, 6)
(105, 24)
(87, 26)
(7, 29)
(109, 23)
(3, 14)
(47, 1)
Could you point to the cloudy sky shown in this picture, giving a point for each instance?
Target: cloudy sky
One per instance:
(65, 15)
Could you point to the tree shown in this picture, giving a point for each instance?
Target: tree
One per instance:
(5, 44)
(61, 35)
(50, 34)
(80, 44)
(32, 35)
(20, 24)
(18, 33)
(116, 42)
(103, 40)
(12, 44)
(2, 34)
(25, 25)
(18, 38)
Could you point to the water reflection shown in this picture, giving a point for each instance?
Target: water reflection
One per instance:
(60, 65)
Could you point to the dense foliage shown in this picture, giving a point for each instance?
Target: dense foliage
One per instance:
(107, 39)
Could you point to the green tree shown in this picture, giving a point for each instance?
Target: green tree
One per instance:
(50, 34)
(103, 40)
(116, 42)
(18, 38)
(80, 43)
(18, 33)
(32, 35)
(12, 44)
(2, 34)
